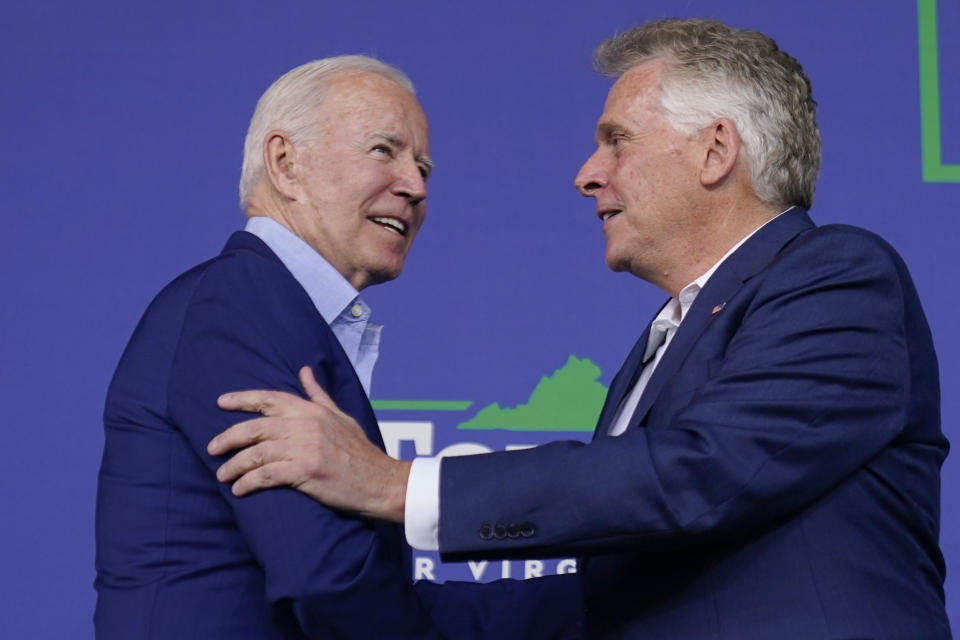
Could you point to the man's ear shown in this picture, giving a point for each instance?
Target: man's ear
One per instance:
(722, 146)
(280, 163)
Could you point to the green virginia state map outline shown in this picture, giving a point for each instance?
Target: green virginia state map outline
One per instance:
(570, 399)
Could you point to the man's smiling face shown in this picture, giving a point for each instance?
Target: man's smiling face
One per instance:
(363, 177)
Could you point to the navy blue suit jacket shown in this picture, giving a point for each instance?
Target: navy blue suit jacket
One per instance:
(780, 476)
(178, 556)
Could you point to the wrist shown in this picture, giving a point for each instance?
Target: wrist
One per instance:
(395, 492)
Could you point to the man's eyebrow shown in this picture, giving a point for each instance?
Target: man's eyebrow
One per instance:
(605, 130)
(427, 162)
(389, 138)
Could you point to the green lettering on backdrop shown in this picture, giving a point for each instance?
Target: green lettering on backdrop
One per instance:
(933, 168)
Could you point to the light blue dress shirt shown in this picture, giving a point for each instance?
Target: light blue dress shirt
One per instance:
(336, 300)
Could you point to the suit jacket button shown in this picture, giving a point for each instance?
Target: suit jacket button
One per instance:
(486, 531)
(500, 531)
(527, 529)
(513, 531)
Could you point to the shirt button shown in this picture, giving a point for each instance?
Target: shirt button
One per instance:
(356, 310)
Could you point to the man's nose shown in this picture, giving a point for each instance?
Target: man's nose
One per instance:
(410, 183)
(591, 177)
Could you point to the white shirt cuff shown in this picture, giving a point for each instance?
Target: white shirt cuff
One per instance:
(422, 510)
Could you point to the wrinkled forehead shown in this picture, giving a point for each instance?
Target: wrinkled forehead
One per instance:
(369, 100)
(347, 90)
(638, 85)
(634, 99)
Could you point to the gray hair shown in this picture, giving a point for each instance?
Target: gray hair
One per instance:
(289, 103)
(714, 71)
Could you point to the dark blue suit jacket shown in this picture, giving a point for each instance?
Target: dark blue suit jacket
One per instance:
(780, 478)
(179, 557)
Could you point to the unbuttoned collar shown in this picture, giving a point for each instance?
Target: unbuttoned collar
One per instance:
(329, 291)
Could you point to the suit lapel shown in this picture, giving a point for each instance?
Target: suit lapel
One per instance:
(720, 288)
(621, 384)
(755, 254)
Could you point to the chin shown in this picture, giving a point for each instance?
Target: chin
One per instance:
(617, 263)
(379, 276)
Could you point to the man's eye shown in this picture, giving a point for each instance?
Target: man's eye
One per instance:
(384, 149)
(424, 172)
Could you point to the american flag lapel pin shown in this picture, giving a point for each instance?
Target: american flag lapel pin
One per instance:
(717, 309)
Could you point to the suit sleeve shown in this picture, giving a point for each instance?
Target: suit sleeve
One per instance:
(332, 572)
(810, 384)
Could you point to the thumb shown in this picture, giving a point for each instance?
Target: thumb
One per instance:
(314, 391)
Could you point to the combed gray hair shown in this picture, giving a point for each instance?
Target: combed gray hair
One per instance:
(289, 103)
(714, 71)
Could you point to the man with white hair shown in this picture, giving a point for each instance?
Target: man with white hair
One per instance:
(333, 184)
(766, 464)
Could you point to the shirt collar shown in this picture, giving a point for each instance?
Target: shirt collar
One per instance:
(329, 291)
(689, 293)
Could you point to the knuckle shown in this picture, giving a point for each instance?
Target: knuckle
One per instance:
(255, 431)
(264, 477)
(313, 466)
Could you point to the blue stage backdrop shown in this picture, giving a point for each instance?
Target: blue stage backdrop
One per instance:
(124, 122)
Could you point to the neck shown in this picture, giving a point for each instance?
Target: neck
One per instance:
(267, 207)
(719, 229)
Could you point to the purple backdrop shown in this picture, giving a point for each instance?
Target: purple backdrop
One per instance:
(124, 124)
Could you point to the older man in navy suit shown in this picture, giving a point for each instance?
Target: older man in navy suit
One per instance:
(333, 184)
(766, 465)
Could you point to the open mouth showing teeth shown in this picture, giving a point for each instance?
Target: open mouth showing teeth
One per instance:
(609, 214)
(392, 224)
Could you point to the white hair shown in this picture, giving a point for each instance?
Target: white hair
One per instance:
(714, 71)
(289, 104)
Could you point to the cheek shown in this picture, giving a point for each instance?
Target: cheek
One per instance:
(631, 175)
